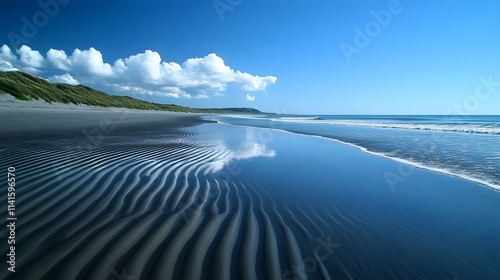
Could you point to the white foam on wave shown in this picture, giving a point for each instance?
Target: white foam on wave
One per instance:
(298, 118)
(247, 117)
(481, 128)
(419, 165)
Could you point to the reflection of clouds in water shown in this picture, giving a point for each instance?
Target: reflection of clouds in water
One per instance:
(247, 149)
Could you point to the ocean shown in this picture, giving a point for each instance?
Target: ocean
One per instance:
(464, 146)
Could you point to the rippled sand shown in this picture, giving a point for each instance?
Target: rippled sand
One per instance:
(154, 196)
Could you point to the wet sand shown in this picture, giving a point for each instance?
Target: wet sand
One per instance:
(102, 194)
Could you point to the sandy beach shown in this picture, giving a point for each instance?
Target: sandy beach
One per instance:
(39, 116)
(103, 193)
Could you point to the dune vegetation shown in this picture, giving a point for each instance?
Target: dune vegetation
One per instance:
(24, 86)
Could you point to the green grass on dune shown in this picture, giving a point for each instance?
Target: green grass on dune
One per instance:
(24, 86)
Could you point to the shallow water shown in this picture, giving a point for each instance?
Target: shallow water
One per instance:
(468, 147)
(214, 201)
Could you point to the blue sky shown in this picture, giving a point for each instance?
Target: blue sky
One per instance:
(429, 57)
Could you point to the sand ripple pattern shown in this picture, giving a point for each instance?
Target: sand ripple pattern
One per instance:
(141, 207)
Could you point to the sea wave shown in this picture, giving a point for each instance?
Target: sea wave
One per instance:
(481, 128)
(146, 209)
(298, 118)
(422, 165)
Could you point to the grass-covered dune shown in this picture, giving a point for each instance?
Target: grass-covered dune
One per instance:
(24, 86)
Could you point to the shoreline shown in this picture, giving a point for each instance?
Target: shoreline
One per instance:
(33, 106)
(418, 165)
(176, 198)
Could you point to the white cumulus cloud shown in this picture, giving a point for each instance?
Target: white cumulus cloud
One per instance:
(66, 78)
(6, 59)
(58, 59)
(250, 97)
(30, 58)
(142, 73)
